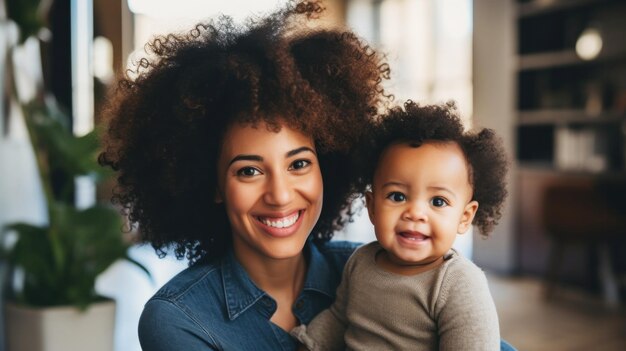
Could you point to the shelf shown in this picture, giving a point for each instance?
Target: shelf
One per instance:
(548, 59)
(547, 168)
(538, 117)
(539, 7)
(562, 58)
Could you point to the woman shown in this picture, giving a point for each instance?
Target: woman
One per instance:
(232, 147)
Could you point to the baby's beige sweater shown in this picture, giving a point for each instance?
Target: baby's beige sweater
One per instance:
(446, 308)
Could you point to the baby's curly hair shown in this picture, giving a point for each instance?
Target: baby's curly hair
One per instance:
(166, 119)
(483, 150)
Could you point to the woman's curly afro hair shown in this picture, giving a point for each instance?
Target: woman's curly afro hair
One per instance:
(166, 119)
(483, 150)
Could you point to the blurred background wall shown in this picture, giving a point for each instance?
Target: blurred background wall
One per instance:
(548, 75)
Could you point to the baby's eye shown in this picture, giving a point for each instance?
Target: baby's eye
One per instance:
(396, 196)
(248, 172)
(439, 202)
(299, 164)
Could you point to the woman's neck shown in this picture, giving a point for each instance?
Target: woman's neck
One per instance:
(282, 279)
(277, 277)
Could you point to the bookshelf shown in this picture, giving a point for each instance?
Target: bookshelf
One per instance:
(568, 104)
(571, 114)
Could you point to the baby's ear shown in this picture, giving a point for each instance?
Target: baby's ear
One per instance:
(467, 217)
(369, 202)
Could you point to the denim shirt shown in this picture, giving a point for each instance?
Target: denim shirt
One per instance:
(217, 306)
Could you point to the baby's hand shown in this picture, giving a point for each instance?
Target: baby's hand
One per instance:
(299, 333)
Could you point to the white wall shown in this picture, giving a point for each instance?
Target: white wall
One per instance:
(494, 107)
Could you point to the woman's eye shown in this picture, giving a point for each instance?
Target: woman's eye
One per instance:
(439, 202)
(396, 197)
(248, 172)
(299, 164)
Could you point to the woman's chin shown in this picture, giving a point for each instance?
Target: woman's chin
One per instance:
(288, 249)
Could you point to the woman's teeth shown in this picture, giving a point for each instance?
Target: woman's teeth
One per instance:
(281, 223)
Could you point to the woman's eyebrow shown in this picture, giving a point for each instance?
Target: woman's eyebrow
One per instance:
(258, 158)
(246, 158)
(299, 150)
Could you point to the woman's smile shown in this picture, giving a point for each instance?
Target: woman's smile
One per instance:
(281, 226)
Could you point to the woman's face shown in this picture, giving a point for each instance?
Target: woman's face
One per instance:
(271, 186)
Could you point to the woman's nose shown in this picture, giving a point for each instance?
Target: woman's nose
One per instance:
(279, 191)
(414, 212)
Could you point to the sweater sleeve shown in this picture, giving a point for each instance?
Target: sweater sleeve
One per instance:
(326, 331)
(467, 318)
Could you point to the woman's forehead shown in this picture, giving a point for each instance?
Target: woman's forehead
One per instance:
(263, 138)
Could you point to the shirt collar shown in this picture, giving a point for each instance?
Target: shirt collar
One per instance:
(241, 293)
(319, 277)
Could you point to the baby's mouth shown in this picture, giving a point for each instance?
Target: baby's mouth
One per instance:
(414, 236)
(284, 222)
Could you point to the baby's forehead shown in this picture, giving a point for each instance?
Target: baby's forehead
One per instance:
(439, 147)
(411, 156)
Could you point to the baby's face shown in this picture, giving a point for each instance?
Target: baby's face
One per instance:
(420, 200)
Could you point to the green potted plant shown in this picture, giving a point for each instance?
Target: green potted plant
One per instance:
(58, 263)
(51, 302)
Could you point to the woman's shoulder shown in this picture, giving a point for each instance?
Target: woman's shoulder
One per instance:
(173, 311)
(164, 323)
(189, 280)
(328, 259)
(337, 252)
(338, 247)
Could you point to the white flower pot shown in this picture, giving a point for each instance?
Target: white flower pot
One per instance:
(62, 328)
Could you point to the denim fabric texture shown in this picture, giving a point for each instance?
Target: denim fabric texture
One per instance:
(218, 307)
(505, 346)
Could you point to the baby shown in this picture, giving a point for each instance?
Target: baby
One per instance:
(409, 290)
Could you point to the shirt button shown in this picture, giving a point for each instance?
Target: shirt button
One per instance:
(299, 304)
(267, 302)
